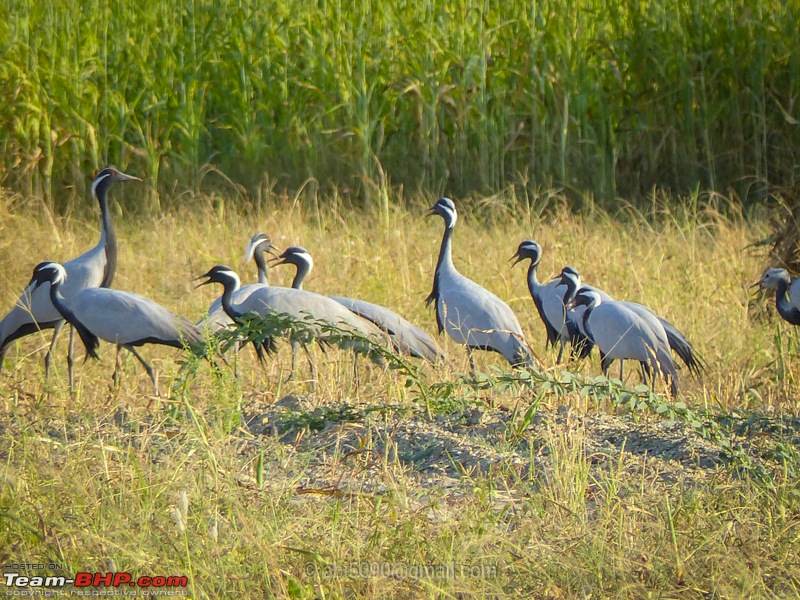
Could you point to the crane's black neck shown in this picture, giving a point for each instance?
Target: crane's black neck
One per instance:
(533, 281)
(229, 288)
(446, 249)
(108, 237)
(88, 338)
(570, 291)
(263, 267)
(586, 313)
(302, 270)
(445, 257)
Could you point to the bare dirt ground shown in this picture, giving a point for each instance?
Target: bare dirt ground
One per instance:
(450, 449)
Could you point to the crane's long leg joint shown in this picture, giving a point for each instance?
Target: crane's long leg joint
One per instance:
(147, 368)
(48, 358)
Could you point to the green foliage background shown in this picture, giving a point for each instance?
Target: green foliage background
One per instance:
(614, 97)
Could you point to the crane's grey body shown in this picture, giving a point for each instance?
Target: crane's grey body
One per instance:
(122, 318)
(469, 313)
(34, 310)
(787, 293)
(404, 336)
(130, 319)
(620, 333)
(300, 305)
(216, 318)
(676, 340)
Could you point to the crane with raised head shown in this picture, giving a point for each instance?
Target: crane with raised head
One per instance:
(34, 310)
(468, 312)
(405, 337)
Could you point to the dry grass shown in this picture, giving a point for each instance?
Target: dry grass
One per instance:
(95, 481)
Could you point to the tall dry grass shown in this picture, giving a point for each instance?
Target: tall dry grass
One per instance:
(97, 481)
(691, 265)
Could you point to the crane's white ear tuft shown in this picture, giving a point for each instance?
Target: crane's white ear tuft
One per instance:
(98, 180)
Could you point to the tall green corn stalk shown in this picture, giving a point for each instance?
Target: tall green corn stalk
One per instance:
(614, 98)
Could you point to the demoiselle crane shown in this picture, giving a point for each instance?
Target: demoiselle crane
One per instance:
(405, 337)
(787, 293)
(620, 333)
(300, 305)
(549, 301)
(676, 340)
(95, 268)
(122, 318)
(260, 244)
(469, 313)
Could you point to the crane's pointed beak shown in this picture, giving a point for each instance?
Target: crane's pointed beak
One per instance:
(125, 177)
(758, 284)
(34, 283)
(517, 257)
(430, 212)
(207, 276)
(277, 260)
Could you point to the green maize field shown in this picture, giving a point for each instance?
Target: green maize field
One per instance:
(606, 97)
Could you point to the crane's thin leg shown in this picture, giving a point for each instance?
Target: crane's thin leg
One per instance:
(71, 360)
(471, 361)
(115, 377)
(560, 352)
(295, 349)
(48, 358)
(647, 374)
(313, 368)
(621, 362)
(147, 368)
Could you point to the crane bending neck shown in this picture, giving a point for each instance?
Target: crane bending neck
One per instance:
(58, 300)
(302, 270)
(533, 282)
(228, 290)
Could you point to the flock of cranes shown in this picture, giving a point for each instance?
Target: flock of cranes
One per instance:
(78, 292)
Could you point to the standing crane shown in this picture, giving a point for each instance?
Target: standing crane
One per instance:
(549, 301)
(122, 318)
(300, 305)
(405, 337)
(620, 333)
(469, 313)
(676, 340)
(34, 310)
